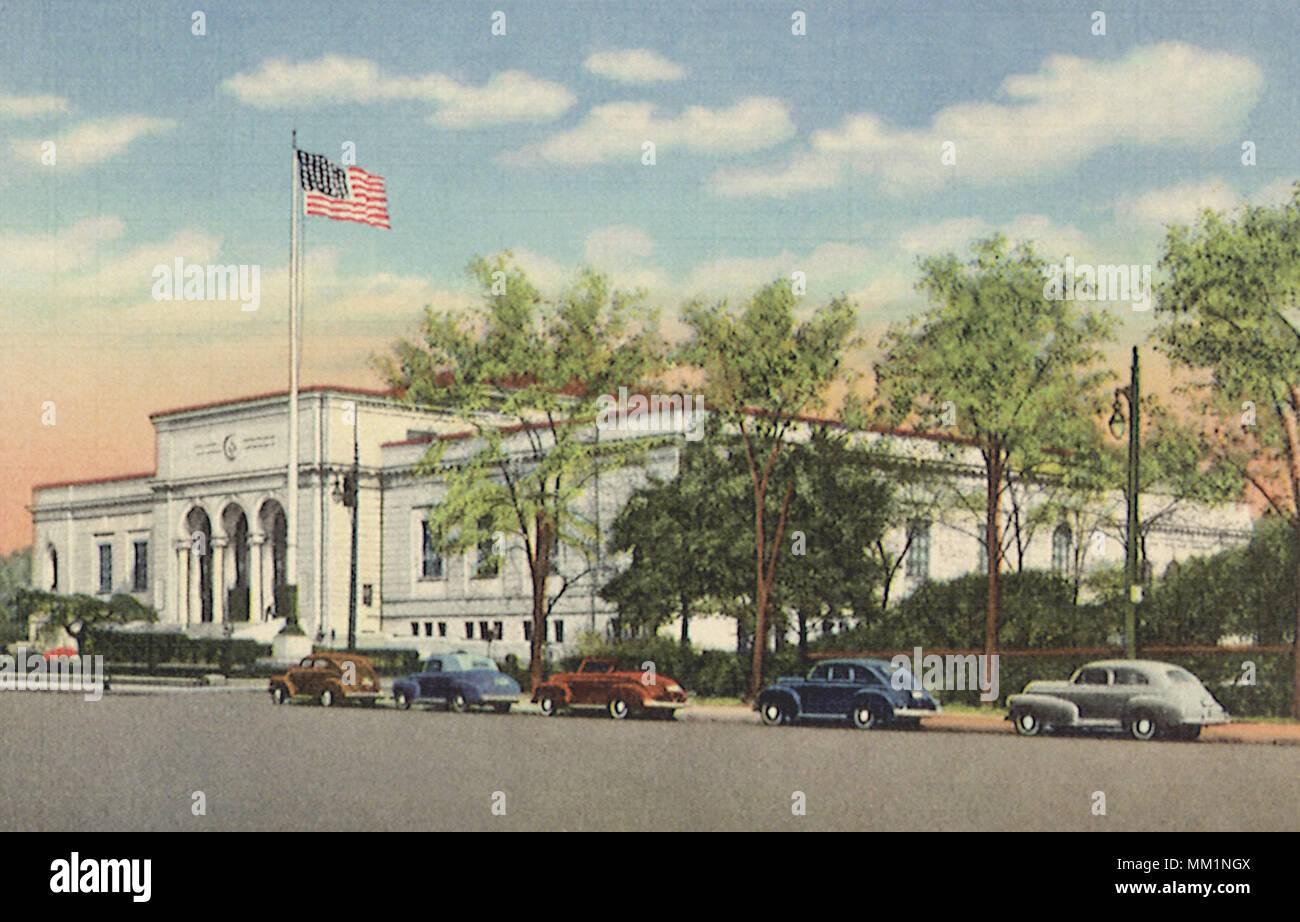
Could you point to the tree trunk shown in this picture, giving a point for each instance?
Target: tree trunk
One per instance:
(686, 621)
(541, 570)
(803, 635)
(1293, 459)
(760, 594)
(993, 539)
(1295, 647)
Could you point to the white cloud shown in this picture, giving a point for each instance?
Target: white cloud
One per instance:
(12, 106)
(23, 256)
(830, 267)
(616, 131)
(633, 65)
(1179, 204)
(510, 96)
(1278, 192)
(618, 245)
(90, 142)
(130, 275)
(1048, 122)
(955, 235)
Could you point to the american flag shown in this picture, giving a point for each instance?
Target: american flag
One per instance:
(349, 194)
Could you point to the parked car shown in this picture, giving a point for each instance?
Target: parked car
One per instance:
(599, 683)
(864, 692)
(330, 677)
(1144, 698)
(461, 681)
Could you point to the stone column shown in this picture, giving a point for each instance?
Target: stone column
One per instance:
(256, 607)
(194, 579)
(181, 616)
(219, 613)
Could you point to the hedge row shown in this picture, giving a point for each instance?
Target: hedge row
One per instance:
(153, 648)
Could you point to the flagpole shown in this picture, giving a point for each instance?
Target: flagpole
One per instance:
(291, 514)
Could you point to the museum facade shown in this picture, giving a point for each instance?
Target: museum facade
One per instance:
(203, 537)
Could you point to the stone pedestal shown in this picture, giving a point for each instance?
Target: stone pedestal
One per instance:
(289, 648)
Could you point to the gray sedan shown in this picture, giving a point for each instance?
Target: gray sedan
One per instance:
(1144, 698)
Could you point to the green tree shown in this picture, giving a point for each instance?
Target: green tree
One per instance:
(681, 537)
(1010, 367)
(80, 614)
(15, 574)
(524, 369)
(1227, 312)
(762, 369)
(839, 514)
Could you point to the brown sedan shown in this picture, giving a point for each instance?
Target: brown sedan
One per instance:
(329, 677)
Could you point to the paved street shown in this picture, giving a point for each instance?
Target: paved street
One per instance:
(133, 761)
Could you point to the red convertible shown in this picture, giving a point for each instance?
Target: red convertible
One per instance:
(599, 683)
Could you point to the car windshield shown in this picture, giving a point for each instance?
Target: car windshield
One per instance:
(897, 677)
(1181, 675)
(464, 663)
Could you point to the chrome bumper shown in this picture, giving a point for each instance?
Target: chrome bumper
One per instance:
(918, 712)
(665, 704)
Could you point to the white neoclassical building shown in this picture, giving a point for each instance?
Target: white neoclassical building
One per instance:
(202, 537)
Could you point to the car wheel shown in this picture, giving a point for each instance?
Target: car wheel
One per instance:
(1027, 723)
(618, 708)
(502, 708)
(863, 716)
(548, 705)
(1143, 726)
(279, 695)
(327, 698)
(774, 713)
(457, 703)
(402, 700)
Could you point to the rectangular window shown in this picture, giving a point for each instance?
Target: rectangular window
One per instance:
(498, 630)
(1062, 539)
(528, 630)
(484, 632)
(431, 566)
(469, 630)
(140, 572)
(488, 563)
(415, 629)
(428, 629)
(105, 568)
(918, 551)
(559, 632)
(442, 628)
(367, 595)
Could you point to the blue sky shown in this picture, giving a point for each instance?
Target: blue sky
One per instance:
(775, 152)
(218, 168)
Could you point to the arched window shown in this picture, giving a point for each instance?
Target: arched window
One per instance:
(918, 550)
(1062, 544)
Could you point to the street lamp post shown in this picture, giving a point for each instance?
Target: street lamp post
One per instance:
(1133, 396)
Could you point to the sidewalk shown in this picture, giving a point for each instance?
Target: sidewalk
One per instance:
(1277, 734)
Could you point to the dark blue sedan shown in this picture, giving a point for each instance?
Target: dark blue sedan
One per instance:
(864, 692)
(460, 680)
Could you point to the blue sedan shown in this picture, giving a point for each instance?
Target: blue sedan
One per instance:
(461, 681)
(865, 693)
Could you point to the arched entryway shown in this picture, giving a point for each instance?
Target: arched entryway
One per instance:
(194, 557)
(232, 563)
(269, 555)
